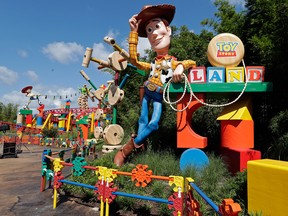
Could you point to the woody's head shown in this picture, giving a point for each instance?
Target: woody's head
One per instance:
(165, 12)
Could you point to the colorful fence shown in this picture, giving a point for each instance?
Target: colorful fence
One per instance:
(181, 201)
(51, 142)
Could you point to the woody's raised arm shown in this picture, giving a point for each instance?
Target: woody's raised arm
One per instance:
(134, 23)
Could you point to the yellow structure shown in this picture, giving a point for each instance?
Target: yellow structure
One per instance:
(241, 110)
(92, 122)
(68, 122)
(46, 121)
(61, 123)
(234, 74)
(268, 187)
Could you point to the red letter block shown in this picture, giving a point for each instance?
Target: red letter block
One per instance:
(197, 75)
(255, 73)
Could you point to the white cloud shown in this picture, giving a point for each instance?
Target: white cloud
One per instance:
(67, 91)
(56, 98)
(32, 75)
(15, 97)
(22, 53)
(101, 52)
(64, 53)
(8, 76)
(113, 33)
(51, 97)
(143, 44)
(124, 45)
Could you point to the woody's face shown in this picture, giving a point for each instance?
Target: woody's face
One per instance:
(158, 34)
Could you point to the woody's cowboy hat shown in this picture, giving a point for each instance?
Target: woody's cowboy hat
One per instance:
(148, 12)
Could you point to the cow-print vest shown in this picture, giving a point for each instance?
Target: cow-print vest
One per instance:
(161, 71)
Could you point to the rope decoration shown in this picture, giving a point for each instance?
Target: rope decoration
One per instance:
(186, 83)
(166, 89)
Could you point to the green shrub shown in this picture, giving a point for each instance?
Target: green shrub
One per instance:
(50, 133)
(214, 180)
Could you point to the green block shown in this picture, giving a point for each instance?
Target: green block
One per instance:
(141, 72)
(223, 87)
(25, 112)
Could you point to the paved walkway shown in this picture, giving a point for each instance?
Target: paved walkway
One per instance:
(20, 194)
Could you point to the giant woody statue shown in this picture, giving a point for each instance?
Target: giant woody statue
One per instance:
(152, 22)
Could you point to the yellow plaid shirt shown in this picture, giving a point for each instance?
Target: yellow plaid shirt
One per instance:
(133, 42)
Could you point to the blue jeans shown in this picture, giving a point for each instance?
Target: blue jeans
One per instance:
(146, 127)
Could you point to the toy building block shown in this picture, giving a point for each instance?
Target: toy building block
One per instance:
(19, 120)
(113, 43)
(237, 125)
(242, 113)
(117, 62)
(215, 74)
(113, 134)
(255, 73)
(235, 74)
(29, 120)
(237, 158)
(240, 110)
(237, 133)
(25, 112)
(267, 186)
(193, 157)
(197, 75)
(186, 136)
(88, 57)
(107, 148)
(229, 207)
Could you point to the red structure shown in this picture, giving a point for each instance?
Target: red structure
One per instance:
(186, 136)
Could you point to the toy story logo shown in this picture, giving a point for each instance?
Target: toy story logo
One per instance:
(226, 49)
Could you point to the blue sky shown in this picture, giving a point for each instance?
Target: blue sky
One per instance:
(42, 42)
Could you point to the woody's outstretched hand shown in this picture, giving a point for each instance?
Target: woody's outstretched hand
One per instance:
(177, 74)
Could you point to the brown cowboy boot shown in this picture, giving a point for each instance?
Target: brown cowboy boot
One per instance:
(125, 151)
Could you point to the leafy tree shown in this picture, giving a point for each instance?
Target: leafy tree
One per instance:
(128, 110)
(227, 19)
(1, 110)
(8, 112)
(266, 31)
(188, 45)
(279, 132)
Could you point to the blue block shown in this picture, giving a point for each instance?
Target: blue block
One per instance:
(193, 157)
(39, 120)
(215, 74)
